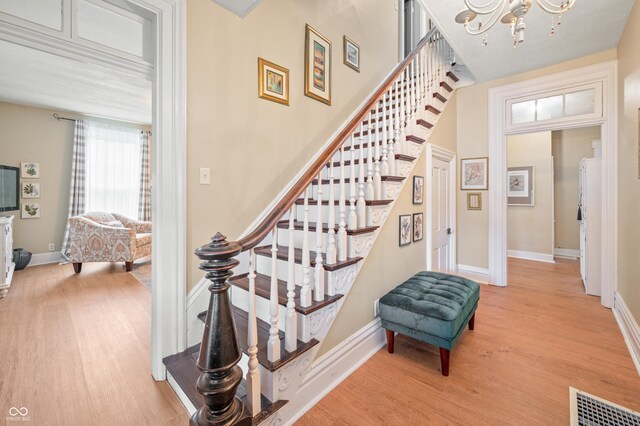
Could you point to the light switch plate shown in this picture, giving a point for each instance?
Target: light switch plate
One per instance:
(205, 176)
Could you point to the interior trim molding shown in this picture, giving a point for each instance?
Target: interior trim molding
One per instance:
(45, 258)
(605, 73)
(481, 275)
(629, 327)
(529, 255)
(571, 253)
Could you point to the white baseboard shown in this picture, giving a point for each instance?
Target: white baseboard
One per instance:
(480, 275)
(538, 257)
(184, 399)
(570, 253)
(629, 327)
(45, 258)
(332, 368)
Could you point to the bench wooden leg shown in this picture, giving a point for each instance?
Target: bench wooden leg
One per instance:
(390, 337)
(444, 361)
(472, 322)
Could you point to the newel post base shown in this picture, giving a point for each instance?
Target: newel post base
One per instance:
(219, 351)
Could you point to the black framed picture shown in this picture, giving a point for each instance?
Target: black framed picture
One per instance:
(418, 226)
(405, 230)
(418, 189)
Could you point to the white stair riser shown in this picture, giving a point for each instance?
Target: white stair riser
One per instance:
(240, 298)
(347, 170)
(263, 266)
(392, 187)
(298, 235)
(313, 213)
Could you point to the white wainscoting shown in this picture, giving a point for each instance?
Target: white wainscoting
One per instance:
(528, 255)
(569, 253)
(629, 327)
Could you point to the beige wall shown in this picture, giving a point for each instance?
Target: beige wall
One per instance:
(530, 229)
(472, 119)
(569, 147)
(255, 147)
(629, 185)
(32, 134)
(388, 265)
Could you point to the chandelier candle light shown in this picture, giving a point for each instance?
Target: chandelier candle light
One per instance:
(511, 12)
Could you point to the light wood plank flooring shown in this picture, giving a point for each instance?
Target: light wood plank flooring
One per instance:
(75, 349)
(532, 341)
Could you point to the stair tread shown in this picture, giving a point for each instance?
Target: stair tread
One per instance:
(300, 202)
(432, 109)
(415, 139)
(283, 254)
(357, 160)
(347, 180)
(439, 97)
(263, 289)
(299, 225)
(184, 370)
(241, 320)
(446, 86)
(366, 145)
(452, 76)
(424, 123)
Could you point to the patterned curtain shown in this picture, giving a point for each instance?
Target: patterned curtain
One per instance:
(144, 200)
(77, 196)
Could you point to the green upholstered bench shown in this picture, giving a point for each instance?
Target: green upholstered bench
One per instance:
(431, 307)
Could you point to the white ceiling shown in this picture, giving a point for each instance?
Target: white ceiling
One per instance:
(591, 26)
(32, 77)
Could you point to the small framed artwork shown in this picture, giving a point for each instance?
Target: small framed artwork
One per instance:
(30, 190)
(474, 200)
(520, 186)
(273, 82)
(474, 174)
(418, 226)
(418, 189)
(30, 210)
(317, 66)
(405, 229)
(351, 54)
(30, 170)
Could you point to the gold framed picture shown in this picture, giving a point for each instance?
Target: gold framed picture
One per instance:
(273, 82)
(351, 54)
(317, 66)
(474, 201)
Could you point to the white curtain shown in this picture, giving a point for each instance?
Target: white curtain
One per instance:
(113, 167)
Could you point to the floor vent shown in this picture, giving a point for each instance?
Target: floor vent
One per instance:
(589, 410)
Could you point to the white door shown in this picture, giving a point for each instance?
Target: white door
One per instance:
(441, 233)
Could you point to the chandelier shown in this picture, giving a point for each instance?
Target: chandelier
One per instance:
(510, 12)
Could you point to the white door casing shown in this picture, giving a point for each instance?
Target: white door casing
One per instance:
(441, 209)
(605, 74)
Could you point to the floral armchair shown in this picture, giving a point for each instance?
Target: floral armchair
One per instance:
(107, 237)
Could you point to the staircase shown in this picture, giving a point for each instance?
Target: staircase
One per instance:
(260, 338)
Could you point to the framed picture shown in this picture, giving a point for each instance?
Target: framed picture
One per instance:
(30, 190)
(30, 170)
(405, 229)
(474, 200)
(418, 226)
(520, 186)
(351, 54)
(317, 66)
(273, 82)
(474, 173)
(30, 210)
(418, 189)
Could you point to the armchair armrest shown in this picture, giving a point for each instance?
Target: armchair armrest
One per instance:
(80, 228)
(139, 226)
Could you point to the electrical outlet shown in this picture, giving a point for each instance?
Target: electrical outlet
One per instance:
(205, 176)
(52, 247)
(376, 307)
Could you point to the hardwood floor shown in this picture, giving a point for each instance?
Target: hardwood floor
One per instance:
(75, 349)
(532, 340)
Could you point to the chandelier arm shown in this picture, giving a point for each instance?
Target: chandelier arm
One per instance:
(490, 23)
(482, 9)
(554, 9)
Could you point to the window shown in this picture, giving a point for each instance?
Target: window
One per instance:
(113, 161)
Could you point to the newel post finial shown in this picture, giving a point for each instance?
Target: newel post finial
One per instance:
(219, 351)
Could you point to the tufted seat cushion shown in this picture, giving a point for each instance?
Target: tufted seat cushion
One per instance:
(430, 306)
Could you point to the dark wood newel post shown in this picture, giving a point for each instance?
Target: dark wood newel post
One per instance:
(219, 352)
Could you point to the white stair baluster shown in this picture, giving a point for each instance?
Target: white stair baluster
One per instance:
(384, 164)
(352, 223)
(273, 345)
(370, 190)
(342, 231)
(254, 404)
(403, 113)
(377, 180)
(331, 255)
(318, 287)
(291, 320)
(305, 290)
(419, 79)
(393, 146)
(361, 204)
(412, 90)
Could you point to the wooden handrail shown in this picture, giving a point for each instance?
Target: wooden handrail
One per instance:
(268, 223)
